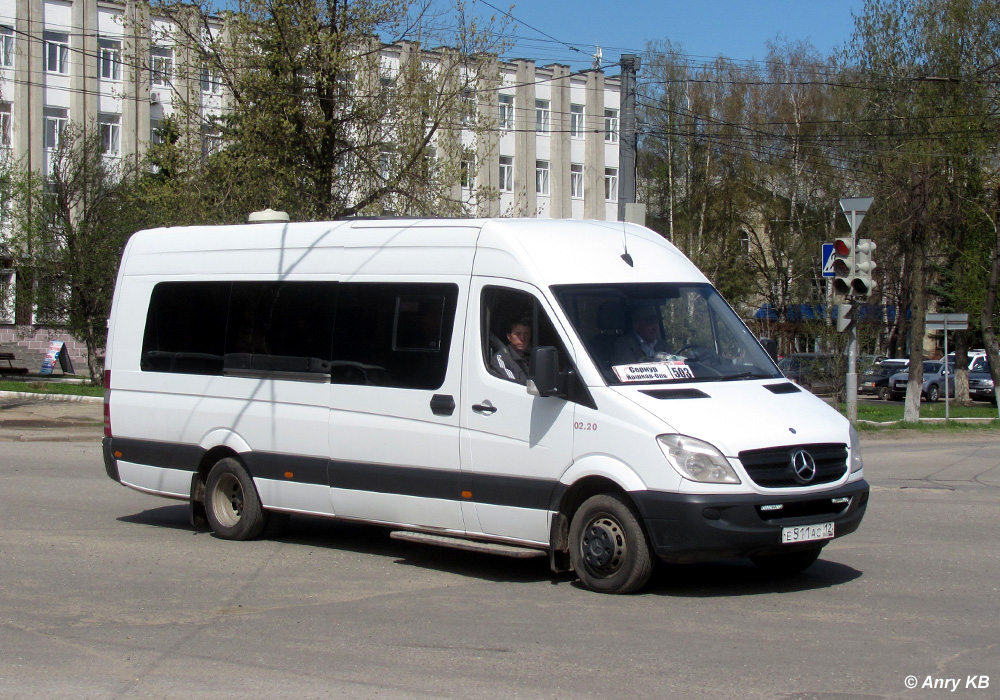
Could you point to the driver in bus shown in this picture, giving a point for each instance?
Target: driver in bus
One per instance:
(643, 342)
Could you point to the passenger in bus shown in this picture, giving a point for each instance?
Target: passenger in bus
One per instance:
(511, 361)
(643, 341)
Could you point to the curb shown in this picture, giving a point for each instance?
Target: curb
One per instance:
(928, 420)
(49, 397)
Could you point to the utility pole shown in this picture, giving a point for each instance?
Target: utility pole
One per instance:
(628, 139)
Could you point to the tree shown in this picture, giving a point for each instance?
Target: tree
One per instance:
(324, 120)
(925, 132)
(69, 232)
(8, 175)
(736, 171)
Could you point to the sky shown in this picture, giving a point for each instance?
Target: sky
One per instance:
(548, 31)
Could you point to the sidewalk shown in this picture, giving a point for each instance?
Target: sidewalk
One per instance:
(28, 417)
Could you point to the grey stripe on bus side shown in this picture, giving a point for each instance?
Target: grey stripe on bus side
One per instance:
(513, 491)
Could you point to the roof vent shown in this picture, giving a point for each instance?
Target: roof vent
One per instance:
(268, 216)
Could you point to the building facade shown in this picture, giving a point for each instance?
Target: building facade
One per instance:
(557, 135)
(553, 151)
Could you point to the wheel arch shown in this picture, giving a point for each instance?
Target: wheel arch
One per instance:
(586, 478)
(208, 460)
(591, 475)
(219, 444)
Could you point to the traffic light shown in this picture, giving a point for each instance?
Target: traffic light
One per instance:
(843, 266)
(862, 284)
(845, 315)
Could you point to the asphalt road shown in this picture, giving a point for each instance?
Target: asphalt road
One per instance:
(108, 593)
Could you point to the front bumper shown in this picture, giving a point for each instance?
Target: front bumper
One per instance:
(981, 393)
(699, 527)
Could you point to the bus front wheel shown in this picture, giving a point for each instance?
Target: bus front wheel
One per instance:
(608, 548)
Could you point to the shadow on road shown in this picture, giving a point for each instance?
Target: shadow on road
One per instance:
(739, 577)
(175, 517)
(716, 579)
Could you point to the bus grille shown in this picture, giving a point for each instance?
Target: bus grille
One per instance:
(773, 467)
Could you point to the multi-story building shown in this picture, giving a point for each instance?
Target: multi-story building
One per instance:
(553, 151)
(557, 150)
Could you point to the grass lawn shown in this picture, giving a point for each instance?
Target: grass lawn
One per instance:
(50, 387)
(885, 412)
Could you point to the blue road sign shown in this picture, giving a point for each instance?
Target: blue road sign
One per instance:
(828, 260)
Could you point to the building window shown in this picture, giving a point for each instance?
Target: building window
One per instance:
(429, 163)
(56, 121)
(161, 63)
(385, 166)
(110, 59)
(57, 53)
(611, 184)
(6, 130)
(6, 47)
(507, 112)
(468, 106)
(543, 114)
(110, 126)
(468, 175)
(576, 121)
(211, 142)
(611, 125)
(576, 180)
(210, 82)
(541, 177)
(745, 249)
(506, 174)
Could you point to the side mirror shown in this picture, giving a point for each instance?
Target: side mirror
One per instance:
(543, 373)
(770, 346)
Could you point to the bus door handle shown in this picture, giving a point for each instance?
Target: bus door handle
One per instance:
(484, 407)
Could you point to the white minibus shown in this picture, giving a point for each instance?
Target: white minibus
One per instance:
(571, 388)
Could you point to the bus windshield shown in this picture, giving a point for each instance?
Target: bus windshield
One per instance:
(653, 333)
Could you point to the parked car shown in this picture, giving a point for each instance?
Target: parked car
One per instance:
(973, 355)
(933, 381)
(981, 382)
(817, 372)
(875, 379)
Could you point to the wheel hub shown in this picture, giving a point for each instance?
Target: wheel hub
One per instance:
(604, 545)
(227, 500)
(236, 500)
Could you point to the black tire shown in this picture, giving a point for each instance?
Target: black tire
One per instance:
(608, 547)
(884, 393)
(932, 393)
(232, 503)
(787, 564)
(895, 397)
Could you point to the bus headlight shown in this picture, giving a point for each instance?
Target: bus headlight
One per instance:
(857, 464)
(697, 460)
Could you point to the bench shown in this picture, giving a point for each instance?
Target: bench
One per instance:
(10, 368)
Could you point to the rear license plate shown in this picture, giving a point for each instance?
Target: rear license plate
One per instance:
(807, 533)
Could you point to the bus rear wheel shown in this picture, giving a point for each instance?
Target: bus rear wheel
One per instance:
(608, 547)
(232, 504)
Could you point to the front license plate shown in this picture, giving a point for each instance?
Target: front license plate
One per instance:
(807, 533)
